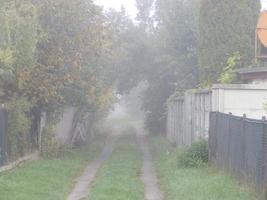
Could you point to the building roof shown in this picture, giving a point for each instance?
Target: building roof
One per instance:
(254, 73)
(251, 70)
(239, 87)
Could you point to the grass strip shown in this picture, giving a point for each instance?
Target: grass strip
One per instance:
(119, 178)
(48, 179)
(194, 183)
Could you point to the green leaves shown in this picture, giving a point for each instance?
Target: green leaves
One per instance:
(229, 75)
(226, 27)
(6, 58)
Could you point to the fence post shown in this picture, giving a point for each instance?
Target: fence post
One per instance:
(229, 141)
(243, 140)
(213, 137)
(264, 154)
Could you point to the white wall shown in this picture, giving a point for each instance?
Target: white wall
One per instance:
(63, 130)
(240, 99)
(188, 118)
(262, 82)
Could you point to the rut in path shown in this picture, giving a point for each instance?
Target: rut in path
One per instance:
(149, 178)
(82, 187)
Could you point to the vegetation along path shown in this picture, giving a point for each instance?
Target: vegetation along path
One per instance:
(48, 179)
(203, 183)
(82, 187)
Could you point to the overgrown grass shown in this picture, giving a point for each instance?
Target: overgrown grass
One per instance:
(194, 183)
(118, 179)
(48, 179)
(195, 156)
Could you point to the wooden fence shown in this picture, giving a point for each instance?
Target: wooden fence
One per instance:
(188, 117)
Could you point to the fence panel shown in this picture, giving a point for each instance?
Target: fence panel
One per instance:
(175, 122)
(239, 146)
(235, 146)
(3, 143)
(222, 141)
(253, 144)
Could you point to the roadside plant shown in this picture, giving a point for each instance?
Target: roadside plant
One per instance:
(195, 156)
(229, 72)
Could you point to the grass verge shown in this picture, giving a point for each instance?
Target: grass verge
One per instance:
(48, 179)
(195, 183)
(118, 179)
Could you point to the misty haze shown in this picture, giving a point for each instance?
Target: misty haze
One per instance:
(133, 100)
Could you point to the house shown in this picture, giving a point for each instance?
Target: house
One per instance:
(256, 75)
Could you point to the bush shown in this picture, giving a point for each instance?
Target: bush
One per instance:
(50, 147)
(195, 156)
(18, 129)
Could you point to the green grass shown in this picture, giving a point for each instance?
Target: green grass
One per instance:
(192, 184)
(47, 179)
(119, 179)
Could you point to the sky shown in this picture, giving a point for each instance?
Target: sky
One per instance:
(116, 4)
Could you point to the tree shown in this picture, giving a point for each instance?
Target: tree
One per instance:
(17, 58)
(130, 52)
(145, 12)
(174, 66)
(226, 27)
(52, 54)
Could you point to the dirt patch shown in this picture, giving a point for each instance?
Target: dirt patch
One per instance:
(82, 187)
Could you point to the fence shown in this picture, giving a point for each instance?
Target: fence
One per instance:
(3, 140)
(239, 146)
(188, 118)
(5, 146)
(175, 121)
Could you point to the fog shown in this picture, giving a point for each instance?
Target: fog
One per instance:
(127, 113)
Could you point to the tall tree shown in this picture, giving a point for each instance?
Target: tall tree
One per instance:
(174, 65)
(145, 12)
(226, 27)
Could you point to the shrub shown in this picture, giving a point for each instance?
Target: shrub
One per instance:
(19, 123)
(49, 145)
(195, 156)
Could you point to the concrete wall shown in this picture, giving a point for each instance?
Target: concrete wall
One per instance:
(188, 118)
(259, 81)
(240, 99)
(64, 128)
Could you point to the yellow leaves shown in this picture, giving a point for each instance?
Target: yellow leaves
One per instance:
(106, 98)
(6, 56)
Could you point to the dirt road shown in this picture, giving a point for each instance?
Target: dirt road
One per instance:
(82, 187)
(149, 178)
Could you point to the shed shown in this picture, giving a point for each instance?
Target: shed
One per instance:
(256, 75)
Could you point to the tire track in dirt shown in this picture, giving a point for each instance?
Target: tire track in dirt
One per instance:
(83, 183)
(149, 178)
